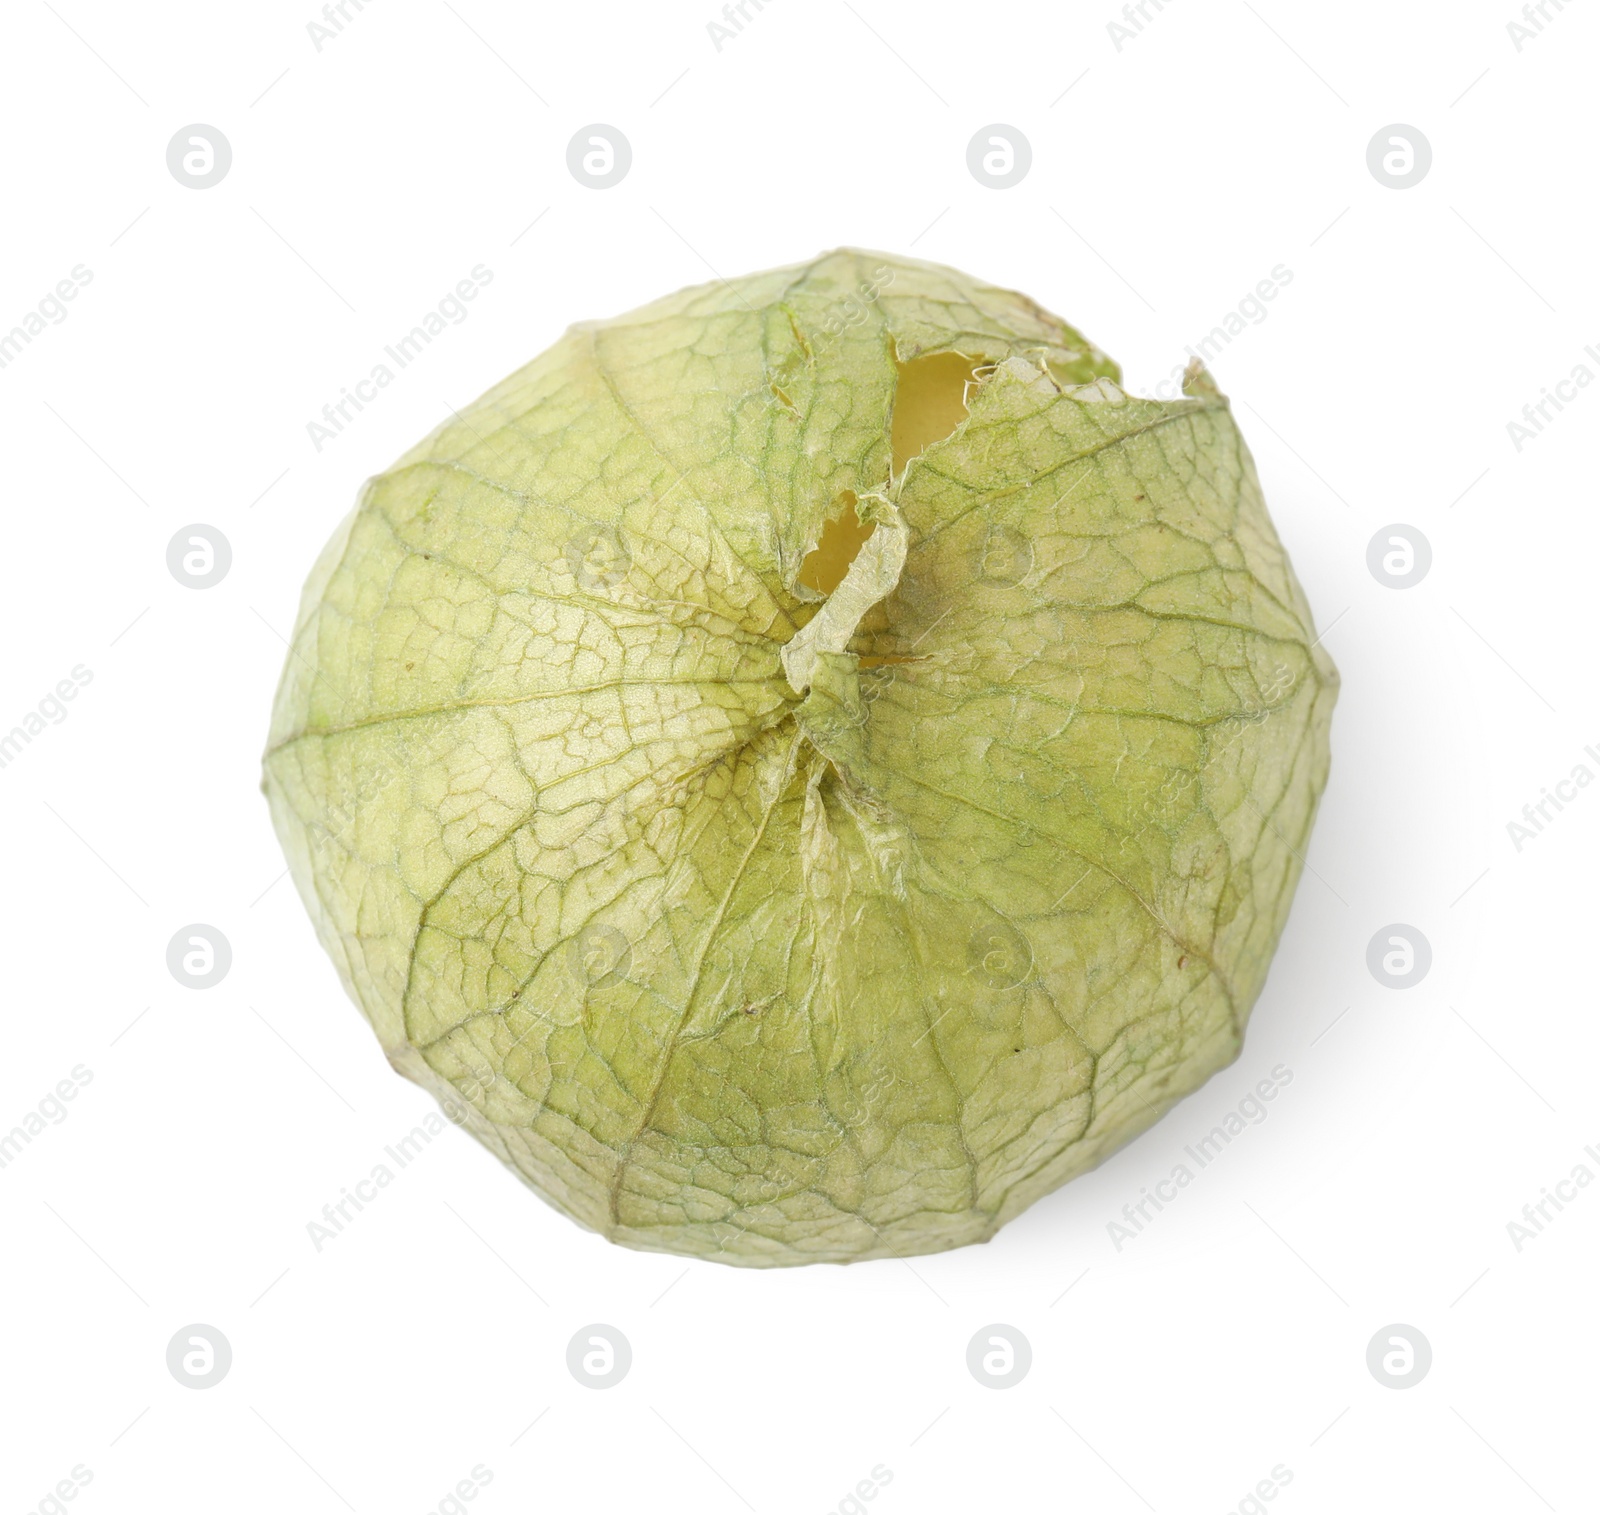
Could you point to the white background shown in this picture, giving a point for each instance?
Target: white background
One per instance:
(1168, 177)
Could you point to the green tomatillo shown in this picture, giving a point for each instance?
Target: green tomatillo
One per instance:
(807, 767)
